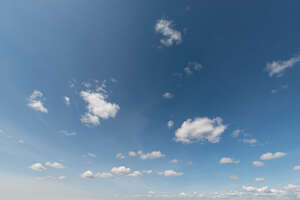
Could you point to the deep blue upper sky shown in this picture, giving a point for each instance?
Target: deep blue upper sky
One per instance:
(211, 65)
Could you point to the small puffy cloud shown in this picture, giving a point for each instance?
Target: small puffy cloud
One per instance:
(236, 133)
(67, 133)
(122, 170)
(38, 167)
(171, 36)
(249, 141)
(271, 156)
(120, 156)
(147, 171)
(135, 174)
(259, 179)
(67, 100)
(35, 101)
(234, 178)
(90, 175)
(170, 123)
(200, 129)
(91, 155)
(254, 189)
(174, 161)
(170, 173)
(227, 160)
(152, 155)
(168, 95)
(97, 107)
(296, 168)
(55, 165)
(258, 163)
(132, 154)
(192, 67)
(276, 68)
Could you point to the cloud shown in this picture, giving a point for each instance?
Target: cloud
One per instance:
(254, 189)
(271, 156)
(35, 101)
(276, 68)
(120, 156)
(200, 129)
(192, 67)
(170, 123)
(259, 179)
(249, 141)
(170, 173)
(152, 155)
(234, 178)
(296, 168)
(236, 133)
(55, 165)
(171, 36)
(98, 107)
(147, 171)
(91, 155)
(90, 175)
(38, 167)
(258, 163)
(135, 174)
(61, 177)
(67, 133)
(131, 154)
(168, 95)
(174, 161)
(122, 170)
(67, 100)
(20, 141)
(227, 160)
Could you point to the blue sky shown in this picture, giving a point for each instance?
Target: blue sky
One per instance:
(149, 100)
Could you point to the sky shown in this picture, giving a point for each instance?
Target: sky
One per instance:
(149, 100)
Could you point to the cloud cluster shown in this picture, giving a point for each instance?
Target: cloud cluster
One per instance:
(97, 107)
(35, 101)
(192, 67)
(271, 156)
(170, 173)
(200, 129)
(171, 36)
(276, 68)
(227, 160)
(41, 167)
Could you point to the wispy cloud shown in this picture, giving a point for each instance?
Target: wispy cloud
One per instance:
(35, 101)
(277, 68)
(171, 36)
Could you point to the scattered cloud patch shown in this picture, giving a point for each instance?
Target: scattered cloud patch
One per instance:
(91, 155)
(97, 107)
(37, 167)
(271, 156)
(67, 133)
(167, 95)
(20, 141)
(200, 129)
(135, 174)
(151, 155)
(234, 178)
(171, 36)
(192, 67)
(249, 141)
(258, 163)
(132, 154)
(90, 175)
(122, 170)
(236, 133)
(259, 179)
(55, 165)
(35, 101)
(67, 100)
(170, 124)
(296, 168)
(227, 160)
(120, 156)
(170, 173)
(277, 68)
(174, 161)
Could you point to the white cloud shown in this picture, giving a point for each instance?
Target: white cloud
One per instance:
(131, 154)
(67, 133)
(120, 156)
(188, 70)
(259, 179)
(90, 175)
(200, 129)
(122, 170)
(249, 141)
(192, 67)
(258, 163)
(135, 174)
(35, 101)
(276, 68)
(296, 168)
(171, 36)
(147, 171)
(170, 123)
(91, 155)
(174, 161)
(234, 178)
(254, 189)
(152, 155)
(98, 107)
(38, 167)
(55, 165)
(270, 156)
(170, 173)
(168, 95)
(61, 177)
(227, 160)
(20, 141)
(67, 100)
